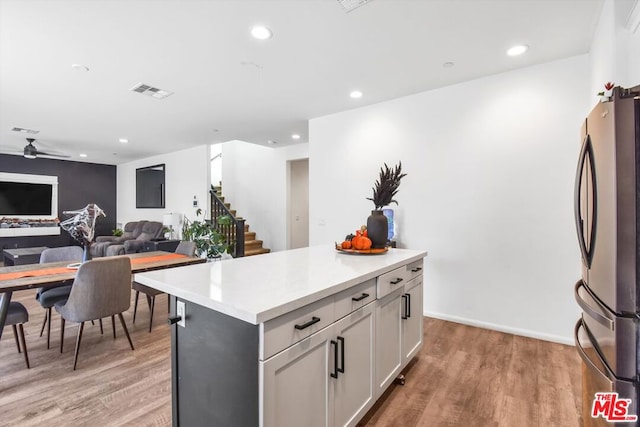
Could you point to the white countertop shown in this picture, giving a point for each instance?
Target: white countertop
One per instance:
(259, 288)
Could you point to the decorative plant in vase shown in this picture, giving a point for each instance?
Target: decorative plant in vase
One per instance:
(607, 93)
(384, 191)
(209, 242)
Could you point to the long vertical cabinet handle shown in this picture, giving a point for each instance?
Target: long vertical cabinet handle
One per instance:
(408, 305)
(405, 299)
(334, 374)
(577, 200)
(341, 340)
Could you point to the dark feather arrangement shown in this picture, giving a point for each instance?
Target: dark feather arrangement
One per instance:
(387, 186)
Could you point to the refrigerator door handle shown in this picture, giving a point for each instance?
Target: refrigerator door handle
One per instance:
(585, 358)
(586, 152)
(602, 315)
(577, 201)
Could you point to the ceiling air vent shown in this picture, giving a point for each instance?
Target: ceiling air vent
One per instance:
(151, 91)
(23, 130)
(349, 5)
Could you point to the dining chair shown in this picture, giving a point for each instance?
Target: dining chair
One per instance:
(102, 288)
(16, 317)
(48, 297)
(184, 248)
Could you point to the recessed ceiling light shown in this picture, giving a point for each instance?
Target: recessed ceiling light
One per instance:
(261, 32)
(83, 155)
(448, 64)
(356, 94)
(123, 140)
(517, 50)
(272, 142)
(79, 67)
(295, 136)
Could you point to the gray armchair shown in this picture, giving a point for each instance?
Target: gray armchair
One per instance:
(150, 230)
(102, 288)
(131, 231)
(138, 231)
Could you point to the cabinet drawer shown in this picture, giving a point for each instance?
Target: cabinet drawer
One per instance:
(414, 269)
(286, 330)
(355, 297)
(412, 283)
(391, 280)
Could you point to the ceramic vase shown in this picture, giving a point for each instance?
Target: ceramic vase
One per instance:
(377, 229)
(86, 253)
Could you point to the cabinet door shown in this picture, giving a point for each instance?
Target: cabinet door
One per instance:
(354, 387)
(412, 319)
(388, 340)
(295, 388)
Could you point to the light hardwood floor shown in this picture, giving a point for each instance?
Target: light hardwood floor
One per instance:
(464, 376)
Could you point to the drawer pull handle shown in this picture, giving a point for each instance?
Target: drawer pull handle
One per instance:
(395, 282)
(360, 298)
(313, 320)
(415, 270)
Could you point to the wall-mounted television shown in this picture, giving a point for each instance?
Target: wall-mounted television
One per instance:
(150, 187)
(28, 196)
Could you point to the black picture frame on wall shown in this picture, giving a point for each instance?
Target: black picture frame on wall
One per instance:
(150, 186)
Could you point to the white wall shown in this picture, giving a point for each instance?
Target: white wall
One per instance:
(186, 176)
(613, 55)
(254, 181)
(489, 191)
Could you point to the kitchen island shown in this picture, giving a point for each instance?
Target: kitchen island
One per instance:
(306, 337)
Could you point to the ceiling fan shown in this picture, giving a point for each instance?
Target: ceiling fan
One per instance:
(31, 152)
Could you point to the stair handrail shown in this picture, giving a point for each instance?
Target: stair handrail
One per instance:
(233, 232)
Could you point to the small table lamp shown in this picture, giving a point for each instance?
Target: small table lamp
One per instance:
(170, 220)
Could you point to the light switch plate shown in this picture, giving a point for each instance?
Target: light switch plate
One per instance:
(182, 313)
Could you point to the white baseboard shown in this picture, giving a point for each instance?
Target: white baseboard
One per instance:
(501, 328)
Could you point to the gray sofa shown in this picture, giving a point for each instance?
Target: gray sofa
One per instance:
(132, 239)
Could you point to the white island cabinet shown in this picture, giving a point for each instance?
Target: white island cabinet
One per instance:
(306, 337)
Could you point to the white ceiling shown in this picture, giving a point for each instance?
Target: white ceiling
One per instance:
(244, 88)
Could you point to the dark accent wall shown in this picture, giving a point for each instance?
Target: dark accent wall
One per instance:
(78, 185)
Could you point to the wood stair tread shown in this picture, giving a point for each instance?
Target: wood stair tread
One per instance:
(252, 252)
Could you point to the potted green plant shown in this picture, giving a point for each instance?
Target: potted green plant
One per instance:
(384, 191)
(209, 243)
(117, 232)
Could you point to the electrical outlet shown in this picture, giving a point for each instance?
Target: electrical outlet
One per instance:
(181, 311)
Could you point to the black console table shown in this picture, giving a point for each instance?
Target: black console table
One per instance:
(160, 245)
(22, 256)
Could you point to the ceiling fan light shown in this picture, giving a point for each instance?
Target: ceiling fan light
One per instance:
(30, 151)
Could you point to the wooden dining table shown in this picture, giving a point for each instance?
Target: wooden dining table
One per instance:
(32, 276)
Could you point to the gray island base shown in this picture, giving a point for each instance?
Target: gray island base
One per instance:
(307, 337)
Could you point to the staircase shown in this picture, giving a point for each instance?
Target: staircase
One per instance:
(252, 246)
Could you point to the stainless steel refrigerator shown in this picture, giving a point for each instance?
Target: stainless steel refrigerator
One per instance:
(607, 213)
